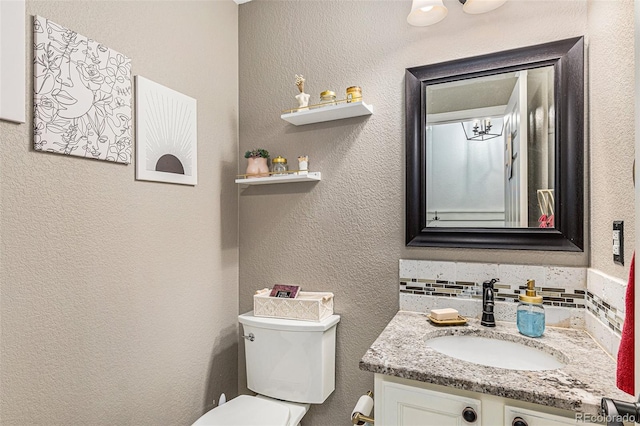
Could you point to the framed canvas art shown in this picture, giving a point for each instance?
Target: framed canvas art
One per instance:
(166, 134)
(12, 60)
(82, 95)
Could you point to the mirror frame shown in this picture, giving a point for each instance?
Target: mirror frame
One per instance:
(567, 58)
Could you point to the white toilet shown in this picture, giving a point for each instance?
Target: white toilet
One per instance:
(290, 365)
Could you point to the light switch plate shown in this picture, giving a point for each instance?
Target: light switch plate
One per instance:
(618, 242)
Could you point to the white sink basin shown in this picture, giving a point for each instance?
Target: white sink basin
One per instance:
(494, 352)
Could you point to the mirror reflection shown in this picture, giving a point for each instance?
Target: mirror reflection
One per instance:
(490, 151)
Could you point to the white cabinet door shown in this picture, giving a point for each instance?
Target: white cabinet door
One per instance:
(411, 406)
(534, 418)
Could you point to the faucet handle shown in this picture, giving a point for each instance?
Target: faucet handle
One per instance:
(490, 283)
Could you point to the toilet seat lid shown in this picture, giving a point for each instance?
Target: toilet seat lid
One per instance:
(246, 411)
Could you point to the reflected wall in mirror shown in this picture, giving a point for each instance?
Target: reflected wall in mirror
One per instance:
(495, 150)
(485, 166)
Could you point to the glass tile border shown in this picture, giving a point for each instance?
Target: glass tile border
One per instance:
(560, 287)
(607, 314)
(567, 298)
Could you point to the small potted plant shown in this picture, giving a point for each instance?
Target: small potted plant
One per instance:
(257, 162)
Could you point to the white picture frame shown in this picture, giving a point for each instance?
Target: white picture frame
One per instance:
(12, 60)
(166, 134)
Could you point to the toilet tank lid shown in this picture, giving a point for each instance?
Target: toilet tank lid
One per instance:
(288, 324)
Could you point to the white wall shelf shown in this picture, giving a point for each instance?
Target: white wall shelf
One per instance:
(328, 113)
(310, 177)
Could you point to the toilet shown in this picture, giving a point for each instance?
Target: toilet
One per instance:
(290, 365)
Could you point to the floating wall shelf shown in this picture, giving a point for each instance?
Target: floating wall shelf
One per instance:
(328, 113)
(310, 177)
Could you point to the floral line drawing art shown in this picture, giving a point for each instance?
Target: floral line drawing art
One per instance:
(82, 95)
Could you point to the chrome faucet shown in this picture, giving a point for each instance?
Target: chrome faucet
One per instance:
(488, 320)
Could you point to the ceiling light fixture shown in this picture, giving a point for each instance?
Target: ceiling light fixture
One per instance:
(475, 7)
(426, 12)
(481, 130)
(429, 12)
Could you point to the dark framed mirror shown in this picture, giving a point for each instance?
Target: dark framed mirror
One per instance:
(495, 150)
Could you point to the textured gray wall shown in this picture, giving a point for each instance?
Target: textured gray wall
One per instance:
(346, 233)
(119, 297)
(611, 129)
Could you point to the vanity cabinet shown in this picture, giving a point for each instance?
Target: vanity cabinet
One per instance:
(409, 405)
(534, 418)
(402, 402)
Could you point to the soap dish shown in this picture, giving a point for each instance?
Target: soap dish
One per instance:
(456, 321)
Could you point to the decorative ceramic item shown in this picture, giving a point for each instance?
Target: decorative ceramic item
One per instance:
(257, 163)
(302, 98)
(303, 165)
(82, 95)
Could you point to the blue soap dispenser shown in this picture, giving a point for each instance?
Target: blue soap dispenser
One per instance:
(530, 316)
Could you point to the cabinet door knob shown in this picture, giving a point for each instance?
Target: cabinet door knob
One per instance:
(469, 415)
(519, 421)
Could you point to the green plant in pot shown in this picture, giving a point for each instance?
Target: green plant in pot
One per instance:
(257, 162)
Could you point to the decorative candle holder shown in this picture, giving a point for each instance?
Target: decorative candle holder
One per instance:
(303, 165)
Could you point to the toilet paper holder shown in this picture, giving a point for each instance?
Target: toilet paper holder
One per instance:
(362, 411)
(617, 411)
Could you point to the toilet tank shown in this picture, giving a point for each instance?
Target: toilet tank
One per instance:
(291, 360)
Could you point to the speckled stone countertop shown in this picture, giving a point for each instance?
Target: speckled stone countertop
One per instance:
(589, 373)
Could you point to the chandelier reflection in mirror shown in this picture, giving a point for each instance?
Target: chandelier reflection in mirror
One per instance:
(481, 130)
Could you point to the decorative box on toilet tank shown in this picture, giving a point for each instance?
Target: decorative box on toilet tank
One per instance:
(307, 306)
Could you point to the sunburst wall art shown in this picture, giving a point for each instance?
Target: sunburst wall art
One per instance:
(166, 134)
(82, 95)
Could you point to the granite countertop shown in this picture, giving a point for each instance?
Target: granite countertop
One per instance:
(589, 373)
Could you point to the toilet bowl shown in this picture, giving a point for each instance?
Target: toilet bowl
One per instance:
(290, 365)
(247, 410)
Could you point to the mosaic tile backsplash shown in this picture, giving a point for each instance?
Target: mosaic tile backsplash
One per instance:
(584, 289)
(572, 298)
(558, 286)
(609, 315)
